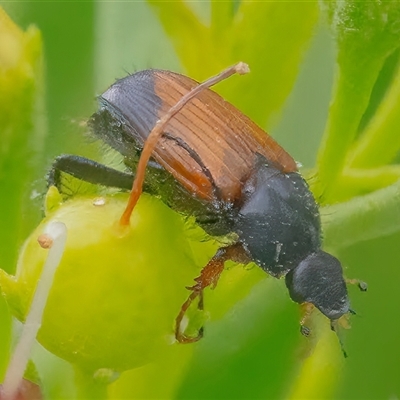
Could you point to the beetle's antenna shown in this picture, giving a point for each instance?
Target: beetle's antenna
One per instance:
(151, 142)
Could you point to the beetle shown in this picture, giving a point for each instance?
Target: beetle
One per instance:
(214, 163)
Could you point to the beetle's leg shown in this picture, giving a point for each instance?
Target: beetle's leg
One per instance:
(179, 335)
(306, 311)
(89, 171)
(209, 276)
(363, 286)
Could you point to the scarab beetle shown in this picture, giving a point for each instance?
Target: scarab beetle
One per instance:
(214, 163)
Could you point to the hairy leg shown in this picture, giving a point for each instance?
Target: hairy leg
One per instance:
(88, 171)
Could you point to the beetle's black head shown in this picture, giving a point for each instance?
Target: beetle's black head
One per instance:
(318, 279)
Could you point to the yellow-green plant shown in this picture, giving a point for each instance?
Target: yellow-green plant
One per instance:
(252, 347)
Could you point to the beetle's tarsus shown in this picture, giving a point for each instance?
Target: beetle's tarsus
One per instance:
(363, 286)
(179, 335)
(190, 339)
(305, 330)
(209, 276)
(306, 310)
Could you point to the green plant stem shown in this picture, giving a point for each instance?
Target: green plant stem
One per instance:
(355, 181)
(5, 336)
(380, 143)
(351, 97)
(22, 132)
(89, 388)
(57, 234)
(362, 218)
(366, 34)
(324, 365)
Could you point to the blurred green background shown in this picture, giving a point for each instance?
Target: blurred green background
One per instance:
(87, 45)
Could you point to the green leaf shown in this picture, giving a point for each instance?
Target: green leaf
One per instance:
(22, 131)
(246, 310)
(190, 30)
(250, 35)
(366, 34)
(380, 142)
(362, 218)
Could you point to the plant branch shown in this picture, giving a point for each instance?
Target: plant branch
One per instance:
(54, 238)
(380, 143)
(357, 180)
(362, 218)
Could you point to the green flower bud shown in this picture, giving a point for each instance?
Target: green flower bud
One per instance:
(115, 295)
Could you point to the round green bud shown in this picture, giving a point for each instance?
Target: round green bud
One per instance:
(116, 293)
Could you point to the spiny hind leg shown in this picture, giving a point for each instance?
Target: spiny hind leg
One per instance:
(209, 276)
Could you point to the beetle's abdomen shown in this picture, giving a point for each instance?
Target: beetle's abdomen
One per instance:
(279, 222)
(209, 146)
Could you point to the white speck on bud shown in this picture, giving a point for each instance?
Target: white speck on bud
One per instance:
(99, 201)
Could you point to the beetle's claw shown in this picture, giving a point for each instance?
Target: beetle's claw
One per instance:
(363, 286)
(181, 338)
(195, 288)
(179, 335)
(305, 330)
